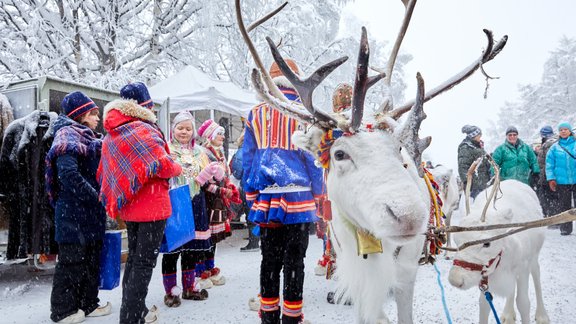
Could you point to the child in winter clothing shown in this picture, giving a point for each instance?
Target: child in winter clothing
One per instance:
(72, 188)
(134, 172)
(196, 170)
(281, 183)
(219, 195)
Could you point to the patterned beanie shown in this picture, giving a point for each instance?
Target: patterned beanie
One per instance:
(183, 116)
(471, 131)
(209, 129)
(76, 104)
(276, 72)
(137, 91)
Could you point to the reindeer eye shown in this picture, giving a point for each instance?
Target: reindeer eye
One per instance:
(341, 155)
(486, 245)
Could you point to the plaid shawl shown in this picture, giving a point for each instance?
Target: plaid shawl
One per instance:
(132, 154)
(71, 138)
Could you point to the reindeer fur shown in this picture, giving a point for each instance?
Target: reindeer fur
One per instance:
(519, 260)
(376, 187)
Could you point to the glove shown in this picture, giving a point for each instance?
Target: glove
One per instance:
(226, 192)
(212, 170)
(552, 185)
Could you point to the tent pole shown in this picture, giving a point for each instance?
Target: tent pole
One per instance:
(212, 114)
(168, 116)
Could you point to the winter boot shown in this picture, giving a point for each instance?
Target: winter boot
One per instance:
(151, 318)
(294, 320)
(254, 304)
(173, 298)
(253, 240)
(192, 294)
(101, 310)
(216, 278)
(77, 317)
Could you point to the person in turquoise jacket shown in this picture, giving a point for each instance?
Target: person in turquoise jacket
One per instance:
(515, 158)
(561, 171)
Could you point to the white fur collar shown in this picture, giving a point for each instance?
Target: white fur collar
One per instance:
(130, 108)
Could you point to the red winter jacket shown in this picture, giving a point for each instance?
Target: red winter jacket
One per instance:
(151, 202)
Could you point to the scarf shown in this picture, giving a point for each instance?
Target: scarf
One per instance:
(71, 138)
(132, 154)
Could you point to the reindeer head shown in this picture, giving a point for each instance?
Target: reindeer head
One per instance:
(375, 170)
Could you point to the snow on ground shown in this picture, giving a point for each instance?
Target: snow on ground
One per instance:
(25, 296)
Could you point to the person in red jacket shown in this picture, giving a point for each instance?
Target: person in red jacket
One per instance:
(133, 173)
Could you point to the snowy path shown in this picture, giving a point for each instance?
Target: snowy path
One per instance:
(24, 296)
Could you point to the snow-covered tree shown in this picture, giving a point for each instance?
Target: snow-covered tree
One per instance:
(107, 43)
(547, 103)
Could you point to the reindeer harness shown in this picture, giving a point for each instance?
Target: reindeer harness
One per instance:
(483, 269)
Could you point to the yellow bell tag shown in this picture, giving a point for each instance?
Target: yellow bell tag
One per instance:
(367, 243)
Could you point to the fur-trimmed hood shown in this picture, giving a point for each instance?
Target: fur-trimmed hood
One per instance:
(121, 111)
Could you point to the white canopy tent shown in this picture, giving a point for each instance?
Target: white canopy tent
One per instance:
(191, 89)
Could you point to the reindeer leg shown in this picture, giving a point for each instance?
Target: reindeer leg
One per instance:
(522, 299)
(509, 314)
(484, 310)
(541, 314)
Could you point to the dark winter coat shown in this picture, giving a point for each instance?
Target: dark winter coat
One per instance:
(546, 144)
(516, 161)
(26, 142)
(79, 216)
(468, 152)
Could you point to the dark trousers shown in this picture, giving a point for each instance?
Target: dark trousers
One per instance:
(565, 195)
(548, 200)
(76, 280)
(188, 262)
(283, 248)
(144, 240)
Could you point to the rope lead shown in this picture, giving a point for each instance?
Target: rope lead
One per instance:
(448, 318)
(489, 298)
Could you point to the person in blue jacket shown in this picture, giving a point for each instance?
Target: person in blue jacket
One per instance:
(282, 185)
(561, 171)
(71, 165)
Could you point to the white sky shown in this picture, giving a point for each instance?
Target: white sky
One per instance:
(445, 36)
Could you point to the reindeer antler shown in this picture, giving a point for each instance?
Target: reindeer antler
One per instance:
(487, 55)
(306, 87)
(363, 82)
(264, 72)
(408, 133)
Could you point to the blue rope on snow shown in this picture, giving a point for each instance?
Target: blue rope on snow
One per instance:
(448, 318)
(489, 298)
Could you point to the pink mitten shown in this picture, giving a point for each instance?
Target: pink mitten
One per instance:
(203, 176)
(217, 171)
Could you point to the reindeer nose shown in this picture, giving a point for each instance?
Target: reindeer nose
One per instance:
(455, 279)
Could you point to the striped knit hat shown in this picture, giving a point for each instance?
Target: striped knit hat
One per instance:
(137, 91)
(209, 129)
(76, 104)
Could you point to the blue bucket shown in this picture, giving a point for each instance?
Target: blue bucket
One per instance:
(110, 260)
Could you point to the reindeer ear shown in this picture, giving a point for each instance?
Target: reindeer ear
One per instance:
(309, 140)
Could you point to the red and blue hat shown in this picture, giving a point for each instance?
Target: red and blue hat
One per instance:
(137, 91)
(76, 104)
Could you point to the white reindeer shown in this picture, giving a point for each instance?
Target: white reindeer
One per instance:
(375, 174)
(503, 265)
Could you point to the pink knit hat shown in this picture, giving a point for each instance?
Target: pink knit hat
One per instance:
(209, 129)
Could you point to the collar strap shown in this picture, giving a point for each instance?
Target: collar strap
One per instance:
(478, 267)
